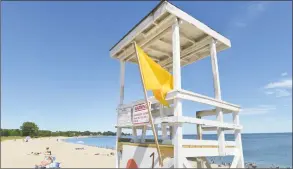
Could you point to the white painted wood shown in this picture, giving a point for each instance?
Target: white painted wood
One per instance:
(163, 126)
(134, 135)
(188, 95)
(157, 129)
(119, 155)
(119, 130)
(122, 79)
(195, 29)
(207, 152)
(199, 131)
(208, 128)
(238, 140)
(117, 160)
(184, 16)
(148, 42)
(172, 120)
(177, 137)
(137, 30)
(206, 142)
(143, 133)
(215, 70)
(192, 120)
(235, 162)
(212, 112)
(169, 163)
(217, 88)
(187, 163)
(189, 50)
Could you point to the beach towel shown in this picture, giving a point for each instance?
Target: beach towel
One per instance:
(53, 165)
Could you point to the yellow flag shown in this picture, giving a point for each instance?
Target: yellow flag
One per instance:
(155, 77)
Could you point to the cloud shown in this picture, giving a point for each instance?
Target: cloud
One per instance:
(246, 16)
(282, 93)
(257, 7)
(261, 109)
(280, 84)
(269, 92)
(284, 74)
(240, 24)
(281, 88)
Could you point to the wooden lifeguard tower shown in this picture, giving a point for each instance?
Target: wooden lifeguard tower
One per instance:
(174, 39)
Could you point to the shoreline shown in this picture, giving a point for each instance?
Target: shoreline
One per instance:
(103, 147)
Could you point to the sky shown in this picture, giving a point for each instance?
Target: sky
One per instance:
(57, 72)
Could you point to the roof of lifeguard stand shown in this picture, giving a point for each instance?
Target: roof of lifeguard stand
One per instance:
(154, 35)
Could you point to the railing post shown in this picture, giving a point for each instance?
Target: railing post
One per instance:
(217, 88)
(163, 126)
(119, 130)
(177, 137)
(238, 140)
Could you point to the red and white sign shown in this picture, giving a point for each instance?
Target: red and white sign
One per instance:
(140, 114)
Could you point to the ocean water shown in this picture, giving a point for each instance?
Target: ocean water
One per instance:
(263, 149)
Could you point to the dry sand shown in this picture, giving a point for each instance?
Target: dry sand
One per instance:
(17, 154)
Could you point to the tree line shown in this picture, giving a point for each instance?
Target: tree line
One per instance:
(31, 129)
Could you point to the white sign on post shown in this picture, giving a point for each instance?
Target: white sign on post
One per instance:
(124, 116)
(140, 114)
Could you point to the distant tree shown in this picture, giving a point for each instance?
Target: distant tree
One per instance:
(29, 129)
(4, 132)
(109, 133)
(87, 133)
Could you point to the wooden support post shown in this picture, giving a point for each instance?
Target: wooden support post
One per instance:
(143, 133)
(134, 134)
(177, 137)
(217, 88)
(238, 140)
(119, 130)
(163, 126)
(149, 110)
(199, 130)
(122, 79)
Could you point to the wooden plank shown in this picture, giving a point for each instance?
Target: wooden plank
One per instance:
(188, 50)
(138, 29)
(187, 95)
(211, 112)
(164, 29)
(184, 16)
(162, 146)
(206, 152)
(130, 52)
(192, 120)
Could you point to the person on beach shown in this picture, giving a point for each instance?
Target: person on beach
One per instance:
(48, 160)
(47, 152)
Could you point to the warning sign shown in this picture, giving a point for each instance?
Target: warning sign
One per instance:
(140, 114)
(124, 116)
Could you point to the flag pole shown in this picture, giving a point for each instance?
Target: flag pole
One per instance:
(149, 110)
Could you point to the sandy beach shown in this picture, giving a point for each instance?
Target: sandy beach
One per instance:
(17, 154)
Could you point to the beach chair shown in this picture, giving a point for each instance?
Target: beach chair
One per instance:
(54, 164)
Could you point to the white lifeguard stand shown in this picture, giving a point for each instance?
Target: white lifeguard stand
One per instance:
(175, 39)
